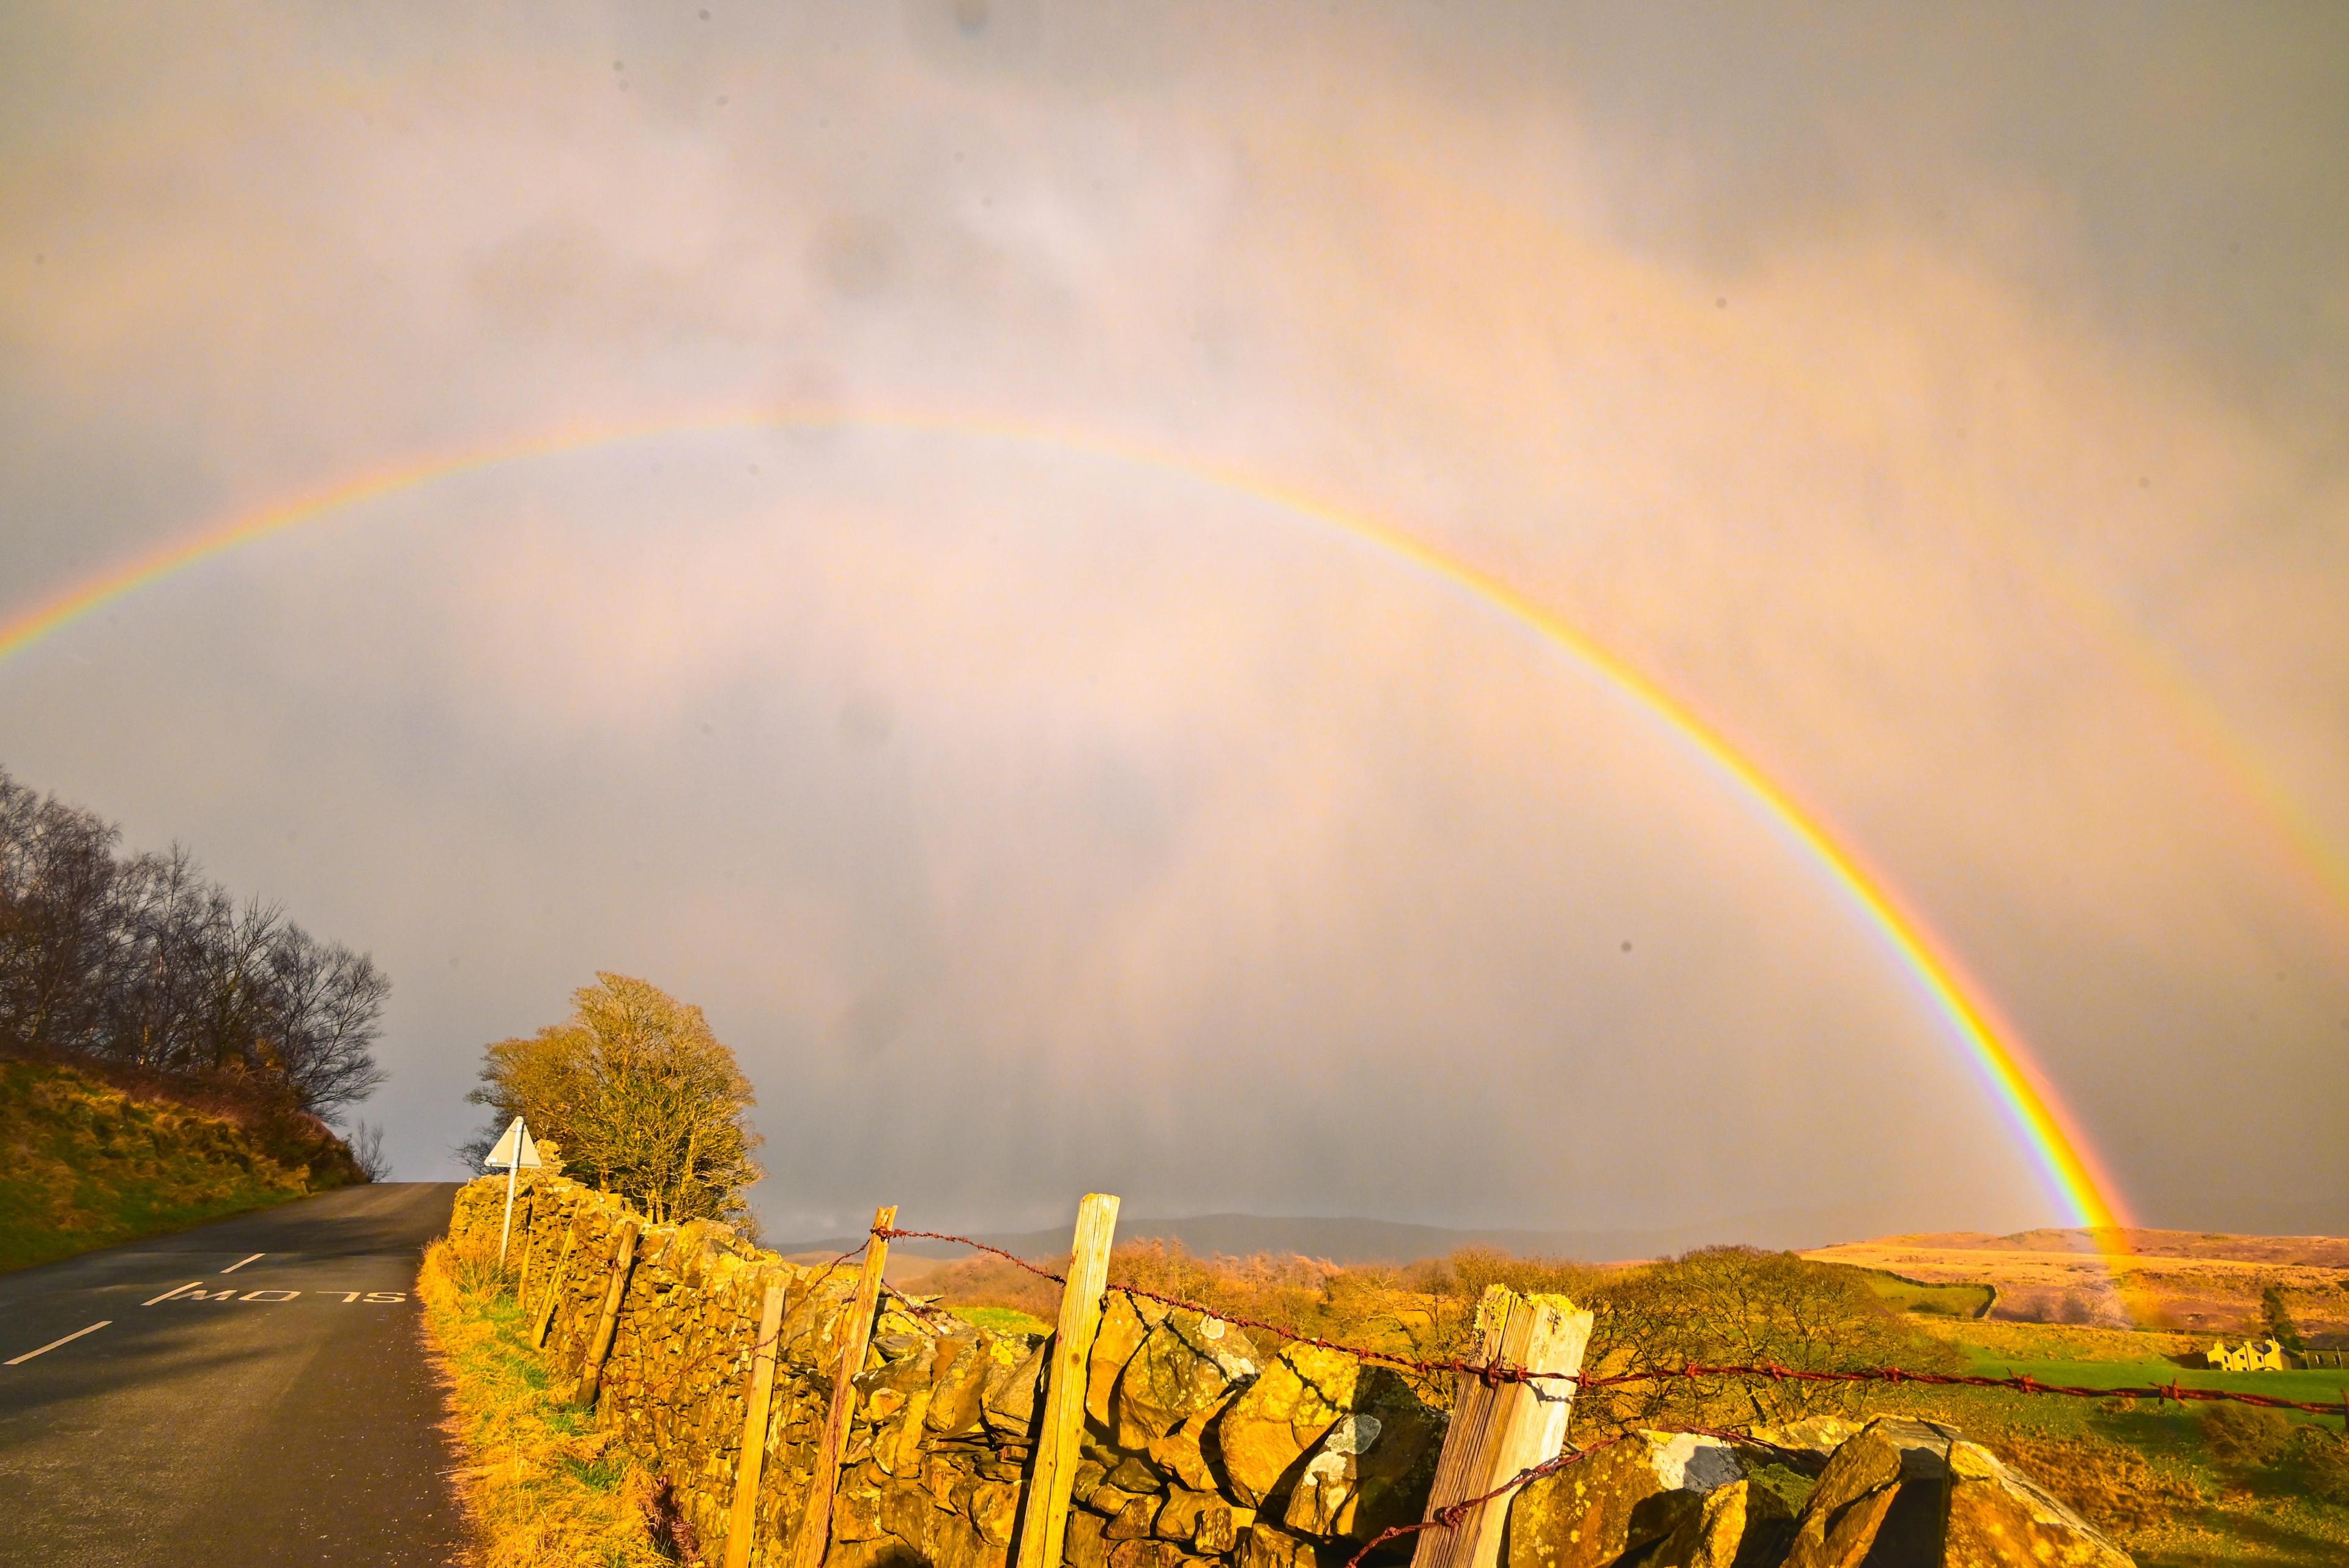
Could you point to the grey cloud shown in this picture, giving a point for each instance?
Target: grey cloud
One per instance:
(1032, 817)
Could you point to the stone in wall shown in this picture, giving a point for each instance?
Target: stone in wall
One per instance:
(1673, 1499)
(1264, 1433)
(1999, 1515)
(1205, 1519)
(1906, 1491)
(1183, 1367)
(961, 1368)
(1150, 1554)
(1137, 1520)
(1009, 1397)
(1125, 1323)
(1087, 1544)
(1266, 1546)
(1375, 1465)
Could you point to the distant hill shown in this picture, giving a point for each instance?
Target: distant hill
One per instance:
(1360, 1240)
(2194, 1281)
(2310, 1251)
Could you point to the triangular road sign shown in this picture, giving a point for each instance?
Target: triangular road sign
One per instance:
(517, 1137)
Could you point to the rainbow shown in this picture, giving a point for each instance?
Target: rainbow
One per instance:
(2072, 1175)
(2303, 850)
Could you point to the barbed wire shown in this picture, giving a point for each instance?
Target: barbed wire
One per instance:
(1452, 1515)
(1493, 1373)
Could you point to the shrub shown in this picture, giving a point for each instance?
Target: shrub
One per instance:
(2323, 1459)
(1738, 1305)
(2246, 1435)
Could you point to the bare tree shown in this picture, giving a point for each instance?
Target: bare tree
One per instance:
(56, 879)
(319, 1006)
(143, 960)
(1742, 1306)
(367, 1147)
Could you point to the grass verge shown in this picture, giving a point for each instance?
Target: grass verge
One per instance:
(543, 1485)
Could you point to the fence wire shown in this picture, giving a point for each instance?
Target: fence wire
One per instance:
(1499, 1372)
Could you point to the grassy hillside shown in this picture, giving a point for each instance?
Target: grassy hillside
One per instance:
(85, 1163)
(2183, 1487)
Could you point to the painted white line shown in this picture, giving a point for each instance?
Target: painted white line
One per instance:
(235, 1267)
(167, 1295)
(68, 1339)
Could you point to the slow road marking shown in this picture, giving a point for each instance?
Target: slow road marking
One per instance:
(193, 1291)
(68, 1339)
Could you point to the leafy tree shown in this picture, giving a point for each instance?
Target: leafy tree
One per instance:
(643, 1098)
(2277, 1312)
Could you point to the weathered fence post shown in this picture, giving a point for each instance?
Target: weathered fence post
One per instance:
(529, 1249)
(1044, 1517)
(1499, 1429)
(752, 1459)
(815, 1521)
(607, 1323)
(554, 1287)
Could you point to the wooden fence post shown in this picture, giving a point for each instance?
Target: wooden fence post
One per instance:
(553, 1289)
(816, 1521)
(752, 1459)
(1500, 1429)
(1044, 1515)
(607, 1323)
(529, 1248)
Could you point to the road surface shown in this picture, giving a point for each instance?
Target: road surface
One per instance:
(257, 1396)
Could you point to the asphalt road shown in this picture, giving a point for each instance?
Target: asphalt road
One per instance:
(275, 1409)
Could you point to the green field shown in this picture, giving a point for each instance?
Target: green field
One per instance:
(1001, 1320)
(2150, 1470)
(1905, 1294)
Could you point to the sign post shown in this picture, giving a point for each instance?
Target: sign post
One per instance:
(513, 1151)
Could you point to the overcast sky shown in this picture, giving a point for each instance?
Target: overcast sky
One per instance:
(1948, 406)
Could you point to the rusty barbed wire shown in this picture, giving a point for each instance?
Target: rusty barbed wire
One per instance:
(1452, 1515)
(1495, 1373)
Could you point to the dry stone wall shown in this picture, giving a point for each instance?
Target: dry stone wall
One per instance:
(1202, 1450)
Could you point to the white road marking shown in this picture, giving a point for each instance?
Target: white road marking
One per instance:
(193, 1291)
(235, 1267)
(68, 1339)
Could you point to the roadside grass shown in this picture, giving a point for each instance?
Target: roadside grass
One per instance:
(545, 1487)
(85, 1165)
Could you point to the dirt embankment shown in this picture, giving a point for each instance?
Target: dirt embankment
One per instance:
(87, 1163)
